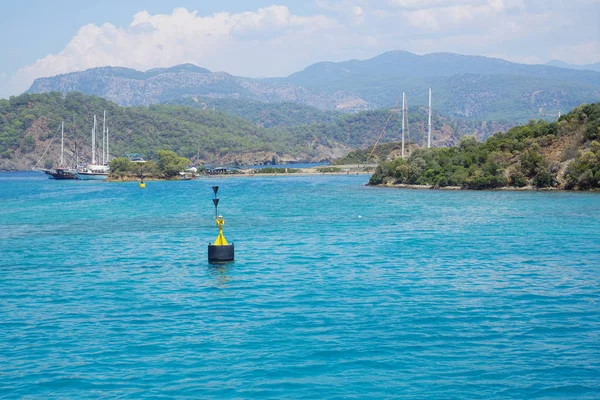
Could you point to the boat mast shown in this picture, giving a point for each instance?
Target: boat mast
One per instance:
(107, 156)
(407, 130)
(94, 142)
(62, 143)
(403, 103)
(103, 138)
(76, 148)
(429, 126)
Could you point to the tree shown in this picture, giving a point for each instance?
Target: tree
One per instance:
(121, 165)
(170, 164)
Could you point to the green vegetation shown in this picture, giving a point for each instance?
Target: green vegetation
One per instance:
(362, 129)
(31, 118)
(356, 130)
(382, 151)
(533, 154)
(329, 169)
(29, 121)
(170, 164)
(122, 167)
(263, 114)
(272, 170)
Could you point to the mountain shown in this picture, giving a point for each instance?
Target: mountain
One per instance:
(28, 124)
(563, 155)
(471, 87)
(463, 86)
(562, 64)
(127, 87)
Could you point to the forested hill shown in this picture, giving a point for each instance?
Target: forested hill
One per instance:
(283, 132)
(30, 121)
(563, 154)
(262, 114)
(357, 130)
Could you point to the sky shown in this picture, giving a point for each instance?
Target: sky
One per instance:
(257, 38)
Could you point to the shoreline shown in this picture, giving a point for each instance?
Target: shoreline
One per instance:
(499, 189)
(217, 176)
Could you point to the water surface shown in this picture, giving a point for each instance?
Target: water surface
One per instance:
(338, 291)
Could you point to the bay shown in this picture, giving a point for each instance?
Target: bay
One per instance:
(338, 291)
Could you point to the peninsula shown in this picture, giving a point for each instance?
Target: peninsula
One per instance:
(563, 155)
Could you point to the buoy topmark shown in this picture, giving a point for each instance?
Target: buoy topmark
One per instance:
(220, 250)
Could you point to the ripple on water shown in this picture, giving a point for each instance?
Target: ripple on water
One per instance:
(105, 291)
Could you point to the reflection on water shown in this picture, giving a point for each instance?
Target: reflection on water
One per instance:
(220, 271)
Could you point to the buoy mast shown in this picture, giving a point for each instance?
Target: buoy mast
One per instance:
(220, 250)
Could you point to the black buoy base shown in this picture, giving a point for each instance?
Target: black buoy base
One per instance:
(219, 254)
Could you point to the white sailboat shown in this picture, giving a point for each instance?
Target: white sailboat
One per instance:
(95, 171)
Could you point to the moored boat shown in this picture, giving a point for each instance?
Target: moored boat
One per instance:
(61, 173)
(93, 172)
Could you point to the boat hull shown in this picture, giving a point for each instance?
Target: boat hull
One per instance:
(87, 176)
(61, 174)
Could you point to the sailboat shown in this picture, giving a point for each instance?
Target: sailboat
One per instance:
(61, 172)
(95, 171)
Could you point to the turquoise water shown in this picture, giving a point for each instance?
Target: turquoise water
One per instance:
(338, 291)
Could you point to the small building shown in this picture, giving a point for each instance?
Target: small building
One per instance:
(216, 171)
(136, 158)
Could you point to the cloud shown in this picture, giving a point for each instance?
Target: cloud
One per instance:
(269, 41)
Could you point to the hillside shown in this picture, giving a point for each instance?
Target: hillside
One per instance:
(284, 132)
(563, 154)
(263, 114)
(361, 130)
(30, 121)
(469, 87)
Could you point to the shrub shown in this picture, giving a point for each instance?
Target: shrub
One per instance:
(516, 178)
(121, 165)
(543, 178)
(329, 169)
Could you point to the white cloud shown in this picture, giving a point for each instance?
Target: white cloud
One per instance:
(270, 41)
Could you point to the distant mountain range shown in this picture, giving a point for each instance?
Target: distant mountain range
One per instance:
(562, 64)
(128, 87)
(471, 87)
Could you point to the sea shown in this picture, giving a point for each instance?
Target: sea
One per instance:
(338, 291)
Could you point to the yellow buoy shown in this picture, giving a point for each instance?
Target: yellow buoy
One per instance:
(220, 241)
